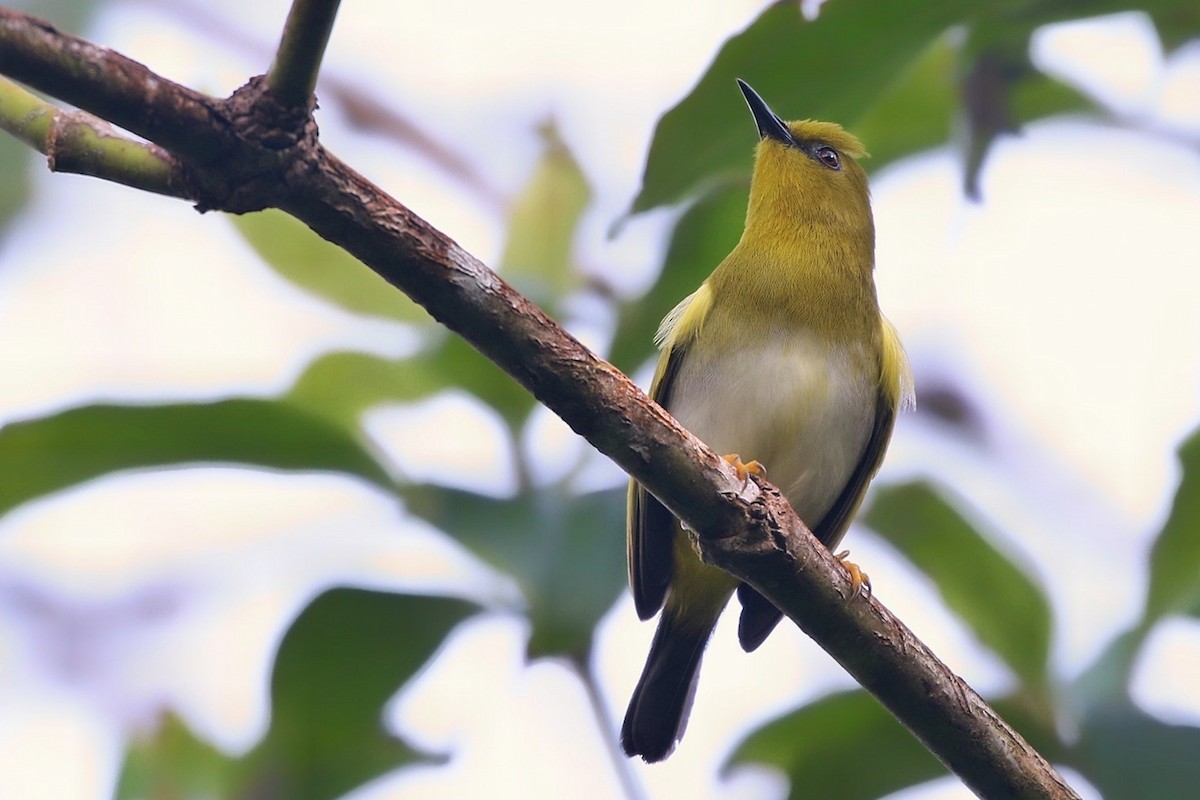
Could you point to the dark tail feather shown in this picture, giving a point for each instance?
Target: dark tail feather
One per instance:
(758, 618)
(659, 708)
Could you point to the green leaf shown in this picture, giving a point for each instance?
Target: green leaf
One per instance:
(844, 745)
(40, 456)
(16, 158)
(998, 601)
(1004, 91)
(542, 222)
(1128, 755)
(454, 364)
(836, 68)
(1175, 558)
(339, 663)
(342, 385)
(847, 745)
(566, 551)
(702, 237)
(1107, 678)
(1177, 22)
(173, 762)
(304, 258)
(915, 111)
(345, 656)
(1039, 96)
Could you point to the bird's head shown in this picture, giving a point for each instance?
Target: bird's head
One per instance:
(805, 173)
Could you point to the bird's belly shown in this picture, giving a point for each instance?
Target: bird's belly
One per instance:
(798, 405)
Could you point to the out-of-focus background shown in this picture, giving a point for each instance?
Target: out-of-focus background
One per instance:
(209, 421)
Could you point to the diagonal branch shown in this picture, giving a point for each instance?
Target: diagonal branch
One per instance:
(112, 87)
(274, 159)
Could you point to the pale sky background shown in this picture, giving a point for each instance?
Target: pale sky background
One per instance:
(1068, 304)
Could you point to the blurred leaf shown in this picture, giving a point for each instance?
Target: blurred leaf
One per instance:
(174, 763)
(304, 258)
(1107, 678)
(987, 105)
(1001, 604)
(833, 68)
(843, 66)
(566, 550)
(702, 237)
(1128, 755)
(542, 222)
(454, 364)
(39, 456)
(847, 745)
(344, 384)
(1003, 98)
(339, 663)
(1175, 558)
(844, 745)
(1039, 96)
(1002, 91)
(72, 16)
(916, 110)
(1177, 22)
(16, 160)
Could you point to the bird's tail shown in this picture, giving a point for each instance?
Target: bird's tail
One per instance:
(658, 711)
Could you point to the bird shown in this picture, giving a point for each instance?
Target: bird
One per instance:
(781, 354)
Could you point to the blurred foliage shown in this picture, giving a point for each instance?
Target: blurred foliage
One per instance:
(340, 662)
(562, 547)
(843, 745)
(40, 456)
(998, 600)
(304, 258)
(542, 220)
(1175, 560)
(906, 75)
(901, 74)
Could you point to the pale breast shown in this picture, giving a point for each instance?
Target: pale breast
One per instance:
(802, 408)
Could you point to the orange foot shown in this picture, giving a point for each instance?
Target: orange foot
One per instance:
(859, 581)
(745, 470)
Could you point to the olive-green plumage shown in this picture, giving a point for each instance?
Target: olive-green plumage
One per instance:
(781, 356)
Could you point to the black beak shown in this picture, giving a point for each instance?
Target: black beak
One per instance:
(770, 126)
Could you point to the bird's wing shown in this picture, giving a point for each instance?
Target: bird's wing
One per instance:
(895, 393)
(650, 527)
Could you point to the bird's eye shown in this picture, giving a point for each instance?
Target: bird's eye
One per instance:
(829, 157)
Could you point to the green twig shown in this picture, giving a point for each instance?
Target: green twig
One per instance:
(76, 142)
(293, 76)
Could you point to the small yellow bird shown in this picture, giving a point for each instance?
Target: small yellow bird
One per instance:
(781, 355)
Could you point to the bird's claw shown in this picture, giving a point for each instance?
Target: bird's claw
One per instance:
(860, 582)
(745, 469)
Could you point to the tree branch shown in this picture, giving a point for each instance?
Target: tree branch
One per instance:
(112, 87)
(781, 558)
(276, 160)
